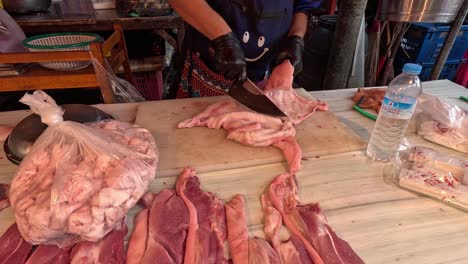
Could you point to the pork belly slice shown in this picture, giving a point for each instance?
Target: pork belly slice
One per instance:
(50, 254)
(309, 224)
(207, 221)
(238, 234)
(108, 250)
(4, 201)
(13, 248)
(251, 129)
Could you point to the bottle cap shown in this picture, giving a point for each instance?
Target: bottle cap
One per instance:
(412, 68)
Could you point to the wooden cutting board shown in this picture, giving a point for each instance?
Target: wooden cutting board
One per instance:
(207, 149)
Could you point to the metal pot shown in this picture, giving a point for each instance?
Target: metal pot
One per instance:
(26, 6)
(443, 11)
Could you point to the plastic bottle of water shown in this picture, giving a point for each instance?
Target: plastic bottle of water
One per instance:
(394, 116)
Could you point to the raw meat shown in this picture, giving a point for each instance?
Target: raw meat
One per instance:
(4, 132)
(50, 254)
(4, 202)
(369, 98)
(287, 250)
(308, 224)
(79, 182)
(436, 175)
(260, 252)
(250, 129)
(207, 221)
(168, 224)
(280, 91)
(137, 244)
(238, 234)
(109, 250)
(442, 123)
(13, 248)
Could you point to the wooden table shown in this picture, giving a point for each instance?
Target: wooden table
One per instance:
(383, 223)
(101, 20)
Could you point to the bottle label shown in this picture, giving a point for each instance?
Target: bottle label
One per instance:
(398, 109)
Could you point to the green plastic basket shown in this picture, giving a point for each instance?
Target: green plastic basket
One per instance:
(62, 42)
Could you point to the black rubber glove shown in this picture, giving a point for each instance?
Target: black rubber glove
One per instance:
(292, 50)
(229, 59)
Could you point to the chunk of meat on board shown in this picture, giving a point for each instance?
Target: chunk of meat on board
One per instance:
(207, 221)
(261, 252)
(136, 247)
(238, 234)
(369, 98)
(13, 248)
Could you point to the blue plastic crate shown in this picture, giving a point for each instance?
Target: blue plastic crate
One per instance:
(423, 41)
(449, 71)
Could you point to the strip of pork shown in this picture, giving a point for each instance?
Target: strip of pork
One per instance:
(50, 254)
(309, 224)
(238, 234)
(108, 250)
(13, 248)
(288, 250)
(138, 240)
(251, 129)
(4, 202)
(280, 91)
(207, 222)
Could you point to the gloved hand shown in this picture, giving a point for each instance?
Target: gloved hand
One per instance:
(292, 50)
(229, 59)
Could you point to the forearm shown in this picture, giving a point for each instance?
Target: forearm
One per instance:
(299, 25)
(202, 17)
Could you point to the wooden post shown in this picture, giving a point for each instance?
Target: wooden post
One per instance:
(104, 83)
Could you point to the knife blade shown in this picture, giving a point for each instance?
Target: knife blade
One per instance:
(248, 94)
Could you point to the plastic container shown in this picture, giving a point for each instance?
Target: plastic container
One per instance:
(423, 41)
(397, 108)
(449, 71)
(62, 42)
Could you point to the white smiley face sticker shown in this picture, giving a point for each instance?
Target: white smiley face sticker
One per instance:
(260, 44)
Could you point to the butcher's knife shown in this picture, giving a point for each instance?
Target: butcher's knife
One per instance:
(248, 94)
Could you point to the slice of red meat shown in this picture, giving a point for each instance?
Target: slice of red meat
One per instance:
(50, 254)
(301, 249)
(167, 228)
(13, 248)
(4, 202)
(261, 252)
(238, 234)
(331, 248)
(280, 91)
(309, 225)
(108, 250)
(207, 221)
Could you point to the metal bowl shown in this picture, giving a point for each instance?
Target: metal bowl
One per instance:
(19, 142)
(26, 6)
(443, 11)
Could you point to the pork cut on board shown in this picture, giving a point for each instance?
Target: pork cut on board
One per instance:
(209, 150)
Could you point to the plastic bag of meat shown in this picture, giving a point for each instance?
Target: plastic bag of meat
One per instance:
(79, 180)
(442, 123)
(434, 174)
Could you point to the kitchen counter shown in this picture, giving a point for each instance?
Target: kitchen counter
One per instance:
(383, 223)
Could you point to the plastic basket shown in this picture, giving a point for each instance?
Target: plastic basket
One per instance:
(449, 71)
(423, 41)
(62, 42)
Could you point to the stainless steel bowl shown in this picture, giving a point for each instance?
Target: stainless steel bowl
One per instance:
(26, 6)
(19, 142)
(443, 11)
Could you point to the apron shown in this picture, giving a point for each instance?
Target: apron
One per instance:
(260, 25)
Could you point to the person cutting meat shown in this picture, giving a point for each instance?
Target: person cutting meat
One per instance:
(237, 39)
